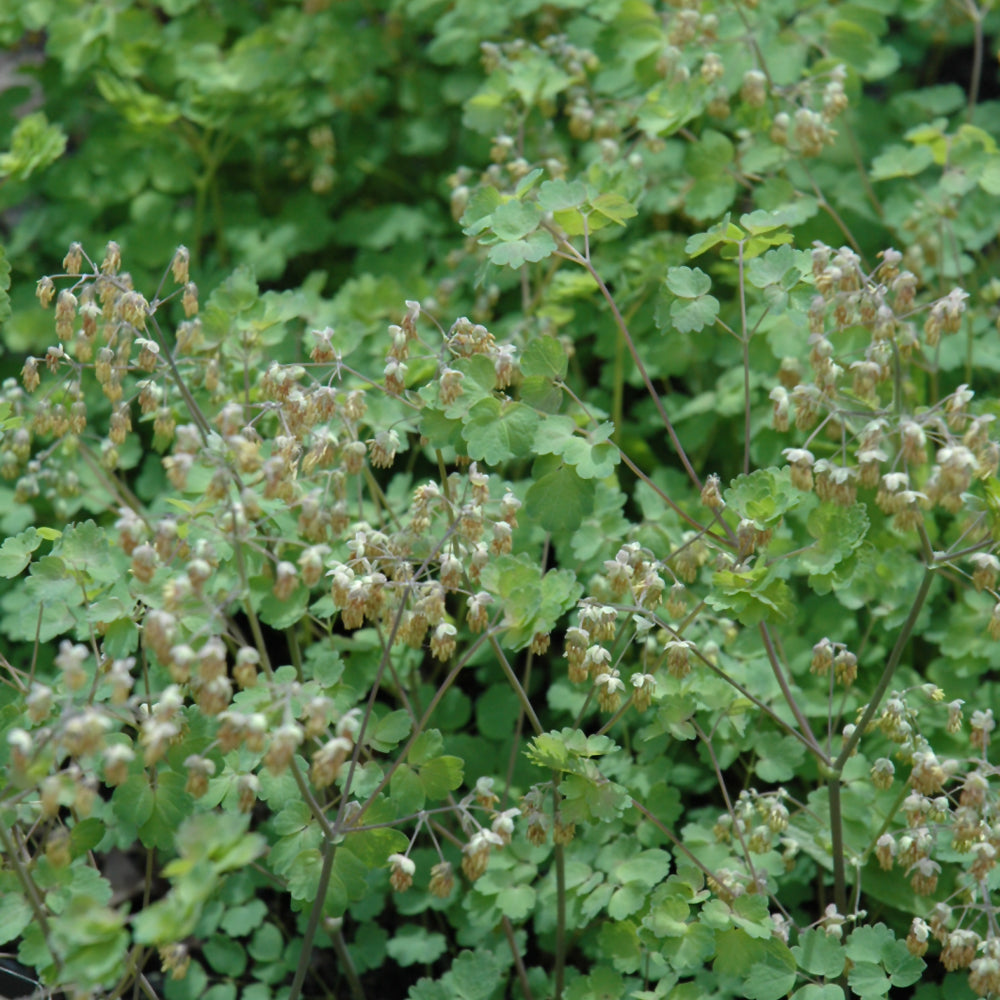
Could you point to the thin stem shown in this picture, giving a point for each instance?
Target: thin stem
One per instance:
(559, 858)
(837, 842)
(522, 973)
(745, 342)
(976, 16)
(836, 770)
(560, 956)
(295, 990)
(832, 212)
(347, 965)
(808, 736)
(522, 695)
(194, 409)
(572, 253)
(417, 730)
(673, 838)
(900, 798)
(31, 893)
(737, 827)
(890, 668)
(683, 514)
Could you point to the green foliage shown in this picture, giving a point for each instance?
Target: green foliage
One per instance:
(380, 613)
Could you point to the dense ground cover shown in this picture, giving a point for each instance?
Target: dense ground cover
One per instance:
(500, 498)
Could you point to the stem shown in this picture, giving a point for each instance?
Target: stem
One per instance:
(522, 695)
(347, 965)
(837, 843)
(31, 893)
(745, 342)
(706, 741)
(837, 768)
(673, 838)
(417, 730)
(900, 798)
(189, 401)
(807, 733)
(522, 973)
(683, 514)
(559, 858)
(310, 934)
(560, 957)
(572, 253)
(976, 16)
(890, 668)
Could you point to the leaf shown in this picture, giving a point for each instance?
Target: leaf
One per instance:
(710, 196)
(406, 790)
(5, 310)
(688, 282)
(514, 219)
(751, 914)
(649, 867)
(691, 315)
(544, 357)
(602, 984)
(225, 955)
(555, 196)
(15, 553)
(613, 206)
(84, 547)
(239, 921)
(869, 943)
(528, 181)
(989, 178)
(35, 145)
(901, 161)
(139, 107)
(348, 882)
(558, 498)
(781, 266)
(15, 914)
(737, 953)
(390, 730)
(868, 980)
(752, 596)
(620, 942)
(765, 220)
(267, 944)
(669, 917)
(536, 247)
(473, 975)
(589, 800)
(819, 954)
(626, 900)
(86, 835)
(427, 745)
(721, 234)
(498, 431)
(132, 801)
(237, 294)
(517, 902)
(772, 976)
(779, 757)
(412, 945)
(838, 532)
(689, 952)
(592, 456)
(567, 749)
(441, 776)
(764, 496)
(478, 213)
